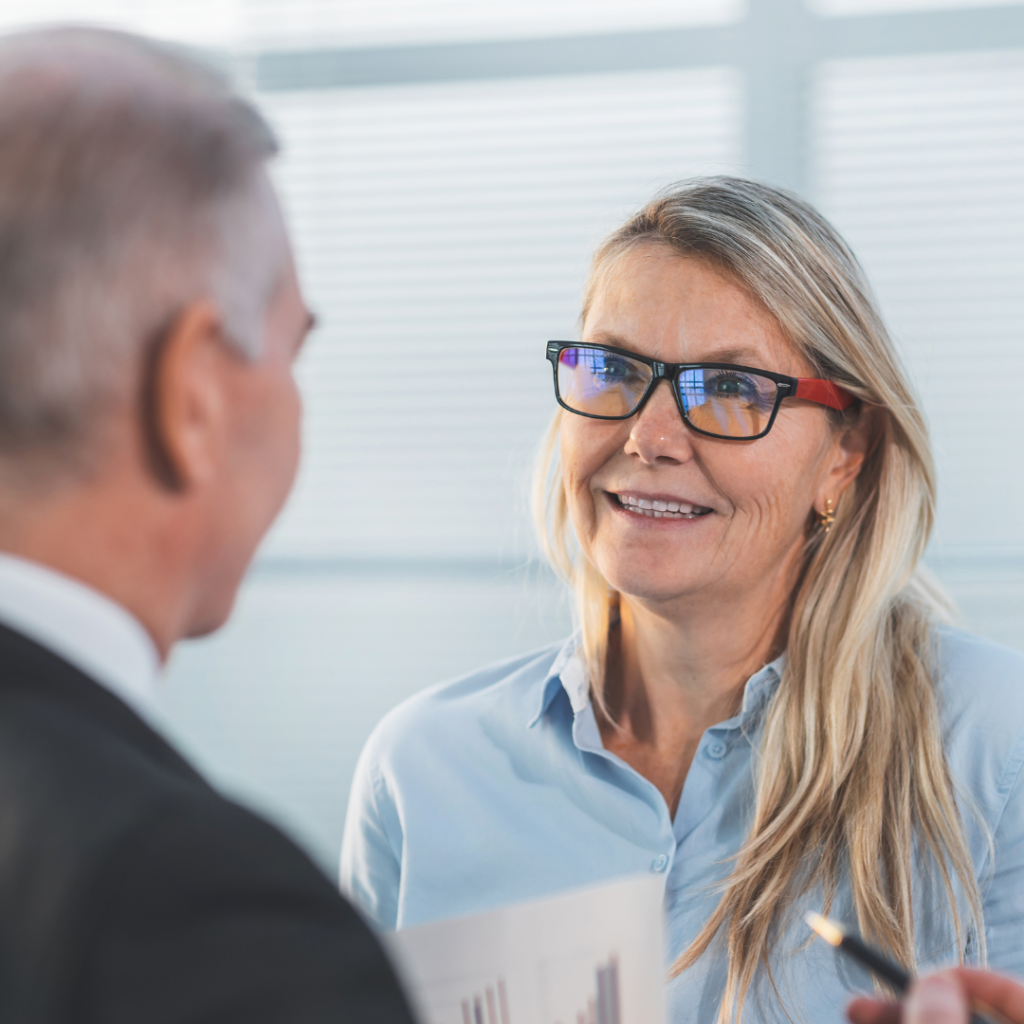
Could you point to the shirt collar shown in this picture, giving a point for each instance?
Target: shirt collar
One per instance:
(759, 690)
(84, 627)
(568, 674)
(553, 683)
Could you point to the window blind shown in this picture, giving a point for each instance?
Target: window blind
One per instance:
(443, 234)
(917, 160)
(302, 23)
(853, 7)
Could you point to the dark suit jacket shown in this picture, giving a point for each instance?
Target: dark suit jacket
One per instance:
(131, 892)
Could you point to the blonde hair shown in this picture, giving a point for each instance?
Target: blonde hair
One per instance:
(851, 776)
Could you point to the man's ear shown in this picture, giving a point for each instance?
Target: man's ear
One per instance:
(852, 446)
(183, 402)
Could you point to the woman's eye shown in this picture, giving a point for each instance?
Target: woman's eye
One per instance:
(733, 387)
(616, 370)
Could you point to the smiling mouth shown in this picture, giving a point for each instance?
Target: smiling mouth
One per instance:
(656, 509)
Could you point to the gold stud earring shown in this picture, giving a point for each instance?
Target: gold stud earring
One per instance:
(828, 517)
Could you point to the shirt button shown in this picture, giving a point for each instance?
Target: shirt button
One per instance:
(716, 750)
(659, 863)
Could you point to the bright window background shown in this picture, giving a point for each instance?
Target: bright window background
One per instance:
(443, 229)
(854, 7)
(444, 233)
(200, 22)
(277, 24)
(390, 22)
(920, 162)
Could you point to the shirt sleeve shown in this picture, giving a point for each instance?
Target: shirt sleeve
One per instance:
(1004, 887)
(371, 850)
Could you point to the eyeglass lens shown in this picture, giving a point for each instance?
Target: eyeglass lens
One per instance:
(599, 383)
(722, 402)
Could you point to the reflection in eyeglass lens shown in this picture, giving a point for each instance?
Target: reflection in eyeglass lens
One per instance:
(730, 403)
(601, 383)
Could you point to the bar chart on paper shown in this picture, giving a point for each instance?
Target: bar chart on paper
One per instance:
(495, 998)
(588, 957)
(489, 1002)
(602, 1005)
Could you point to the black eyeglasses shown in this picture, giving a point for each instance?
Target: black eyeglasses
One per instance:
(716, 399)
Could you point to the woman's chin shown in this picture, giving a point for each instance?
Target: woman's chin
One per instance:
(657, 565)
(658, 585)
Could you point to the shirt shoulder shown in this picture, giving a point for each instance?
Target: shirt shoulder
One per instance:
(507, 691)
(981, 704)
(445, 754)
(980, 682)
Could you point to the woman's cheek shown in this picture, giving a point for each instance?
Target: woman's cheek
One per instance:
(577, 469)
(581, 508)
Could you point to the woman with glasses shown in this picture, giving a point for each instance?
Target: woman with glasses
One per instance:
(762, 702)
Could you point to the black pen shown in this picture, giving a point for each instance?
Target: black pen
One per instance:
(879, 964)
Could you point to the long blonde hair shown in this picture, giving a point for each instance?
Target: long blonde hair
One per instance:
(851, 776)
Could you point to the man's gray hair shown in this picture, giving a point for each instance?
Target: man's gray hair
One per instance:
(130, 186)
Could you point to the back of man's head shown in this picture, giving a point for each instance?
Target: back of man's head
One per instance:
(149, 319)
(129, 187)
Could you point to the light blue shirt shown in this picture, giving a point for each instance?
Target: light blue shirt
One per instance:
(497, 788)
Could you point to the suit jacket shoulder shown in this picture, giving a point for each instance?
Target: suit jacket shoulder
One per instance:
(130, 890)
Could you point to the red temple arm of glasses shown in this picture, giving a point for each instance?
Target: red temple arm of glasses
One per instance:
(824, 392)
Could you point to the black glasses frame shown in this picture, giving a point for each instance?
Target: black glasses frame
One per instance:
(786, 386)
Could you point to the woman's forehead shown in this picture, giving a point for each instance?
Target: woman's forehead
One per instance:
(681, 309)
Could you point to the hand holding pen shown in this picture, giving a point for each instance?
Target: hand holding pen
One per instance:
(957, 996)
(945, 998)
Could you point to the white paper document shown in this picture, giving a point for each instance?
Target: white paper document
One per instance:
(591, 956)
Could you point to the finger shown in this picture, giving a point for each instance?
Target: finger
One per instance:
(940, 999)
(873, 1011)
(1001, 993)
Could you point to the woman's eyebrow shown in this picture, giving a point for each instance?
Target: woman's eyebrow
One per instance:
(742, 354)
(613, 340)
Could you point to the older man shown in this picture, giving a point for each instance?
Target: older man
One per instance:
(149, 432)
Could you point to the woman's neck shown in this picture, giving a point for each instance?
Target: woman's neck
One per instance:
(673, 672)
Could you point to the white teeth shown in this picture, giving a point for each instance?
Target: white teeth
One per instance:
(661, 509)
(657, 509)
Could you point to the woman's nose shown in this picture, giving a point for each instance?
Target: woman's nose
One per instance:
(658, 431)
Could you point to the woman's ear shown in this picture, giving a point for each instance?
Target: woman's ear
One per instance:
(183, 398)
(850, 448)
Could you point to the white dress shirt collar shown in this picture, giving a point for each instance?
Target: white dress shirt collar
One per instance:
(84, 627)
